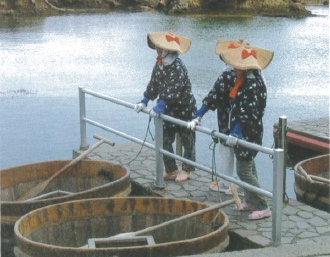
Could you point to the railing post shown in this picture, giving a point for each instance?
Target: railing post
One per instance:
(82, 109)
(159, 183)
(277, 196)
(282, 143)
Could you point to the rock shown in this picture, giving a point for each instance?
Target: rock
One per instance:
(287, 8)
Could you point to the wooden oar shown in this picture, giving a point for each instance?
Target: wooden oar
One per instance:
(131, 235)
(184, 217)
(320, 179)
(41, 186)
(304, 173)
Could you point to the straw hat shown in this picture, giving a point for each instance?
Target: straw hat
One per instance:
(223, 46)
(169, 41)
(243, 56)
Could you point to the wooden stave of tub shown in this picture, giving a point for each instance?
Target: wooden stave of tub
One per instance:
(124, 214)
(34, 173)
(316, 194)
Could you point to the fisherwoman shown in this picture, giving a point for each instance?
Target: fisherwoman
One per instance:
(247, 98)
(171, 86)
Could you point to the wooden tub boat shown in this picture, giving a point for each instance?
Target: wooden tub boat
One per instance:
(65, 229)
(312, 184)
(86, 179)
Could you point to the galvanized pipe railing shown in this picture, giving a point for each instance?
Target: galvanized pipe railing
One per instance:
(278, 155)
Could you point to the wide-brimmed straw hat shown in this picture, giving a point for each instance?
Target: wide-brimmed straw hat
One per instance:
(243, 56)
(223, 46)
(169, 41)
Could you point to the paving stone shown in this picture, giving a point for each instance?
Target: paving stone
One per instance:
(260, 240)
(308, 234)
(305, 214)
(267, 234)
(180, 193)
(266, 224)
(317, 221)
(323, 230)
(286, 240)
(289, 210)
(245, 233)
(302, 225)
(248, 226)
(189, 188)
(322, 239)
(196, 193)
(296, 218)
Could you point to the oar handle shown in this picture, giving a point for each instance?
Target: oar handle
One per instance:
(83, 154)
(190, 215)
(104, 139)
(42, 186)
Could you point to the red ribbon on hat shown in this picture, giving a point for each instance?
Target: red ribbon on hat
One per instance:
(170, 38)
(232, 45)
(246, 54)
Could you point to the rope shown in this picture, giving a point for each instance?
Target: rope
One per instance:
(212, 147)
(144, 140)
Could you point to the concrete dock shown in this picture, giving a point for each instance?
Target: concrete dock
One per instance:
(305, 230)
(306, 138)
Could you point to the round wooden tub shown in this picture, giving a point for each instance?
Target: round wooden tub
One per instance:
(86, 179)
(316, 194)
(65, 229)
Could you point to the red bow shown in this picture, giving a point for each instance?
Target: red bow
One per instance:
(232, 46)
(246, 54)
(170, 38)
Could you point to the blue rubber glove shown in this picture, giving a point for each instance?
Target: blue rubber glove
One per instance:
(139, 106)
(160, 107)
(145, 101)
(237, 131)
(234, 135)
(200, 112)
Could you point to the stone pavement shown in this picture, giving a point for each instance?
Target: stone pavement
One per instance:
(301, 224)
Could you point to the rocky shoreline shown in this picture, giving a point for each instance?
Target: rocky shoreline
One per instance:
(275, 8)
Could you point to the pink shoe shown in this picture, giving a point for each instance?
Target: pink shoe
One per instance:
(182, 176)
(170, 176)
(258, 215)
(245, 207)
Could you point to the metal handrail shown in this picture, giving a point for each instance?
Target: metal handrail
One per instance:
(278, 154)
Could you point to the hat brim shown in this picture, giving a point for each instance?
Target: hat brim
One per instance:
(260, 60)
(168, 41)
(224, 46)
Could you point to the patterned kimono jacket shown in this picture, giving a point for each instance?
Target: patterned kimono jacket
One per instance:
(247, 108)
(171, 84)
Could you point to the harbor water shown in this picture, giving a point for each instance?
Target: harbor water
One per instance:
(45, 59)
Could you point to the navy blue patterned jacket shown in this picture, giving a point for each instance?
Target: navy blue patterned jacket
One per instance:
(171, 83)
(247, 108)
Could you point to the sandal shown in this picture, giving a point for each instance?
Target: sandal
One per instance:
(240, 191)
(258, 215)
(171, 175)
(245, 207)
(218, 188)
(182, 176)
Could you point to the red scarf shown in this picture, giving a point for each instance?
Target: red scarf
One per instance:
(159, 60)
(239, 81)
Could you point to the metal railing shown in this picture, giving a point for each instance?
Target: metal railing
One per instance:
(278, 154)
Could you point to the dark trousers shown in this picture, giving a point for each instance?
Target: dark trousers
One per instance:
(188, 139)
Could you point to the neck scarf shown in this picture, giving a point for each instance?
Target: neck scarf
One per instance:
(166, 58)
(238, 82)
